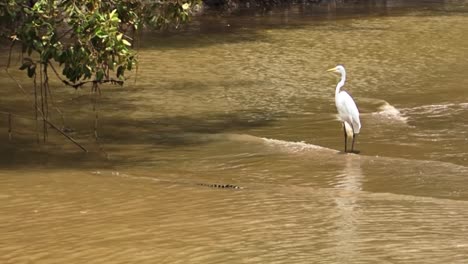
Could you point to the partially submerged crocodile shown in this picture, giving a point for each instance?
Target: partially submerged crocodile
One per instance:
(220, 186)
(211, 185)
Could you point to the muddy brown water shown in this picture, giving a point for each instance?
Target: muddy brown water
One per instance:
(245, 100)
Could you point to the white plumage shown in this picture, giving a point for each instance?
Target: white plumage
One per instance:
(347, 109)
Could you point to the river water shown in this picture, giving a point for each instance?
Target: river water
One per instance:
(245, 100)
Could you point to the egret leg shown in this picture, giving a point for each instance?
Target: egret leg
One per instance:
(345, 137)
(352, 145)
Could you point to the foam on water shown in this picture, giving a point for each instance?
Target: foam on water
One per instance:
(437, 110)
(303, 147)
(280, 145)
(388, 111)
(291, 146)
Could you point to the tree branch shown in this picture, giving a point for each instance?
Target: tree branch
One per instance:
(50, 124)
(78, 85)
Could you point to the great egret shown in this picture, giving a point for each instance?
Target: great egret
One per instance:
(347, 109)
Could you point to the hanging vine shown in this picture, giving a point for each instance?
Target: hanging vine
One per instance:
(90, 40)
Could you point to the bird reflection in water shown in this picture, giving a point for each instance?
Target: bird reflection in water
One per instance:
(349, 185)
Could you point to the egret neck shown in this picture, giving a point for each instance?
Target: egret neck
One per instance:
(341, 83)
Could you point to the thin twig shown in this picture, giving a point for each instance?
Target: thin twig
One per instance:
(38, 110)
(65, 33)
(17, 82)
(46, 91)
(67, 136)
(56, 73)
(44, 117)
(51, 125)
(137, 40)
(52, 101)
(96, 126)
(35, 106)
(9, 52)
(95, 101)
(9, 126)
(50, 94)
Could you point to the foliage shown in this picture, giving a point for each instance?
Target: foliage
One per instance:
(89, 39)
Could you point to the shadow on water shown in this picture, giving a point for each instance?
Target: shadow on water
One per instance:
(244, 24)
(154, 127)
(170, 131)
(159, 133)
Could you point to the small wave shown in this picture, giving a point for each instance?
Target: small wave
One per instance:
(436, 110)
(302, 147)
(292, 146)
(243, 137)
(289, 146)
(388, 111)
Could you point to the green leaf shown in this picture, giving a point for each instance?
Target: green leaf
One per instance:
(93, 31)
(101, 34)
(31, 71)
(125, 42)
(112, 13)
(27, 62)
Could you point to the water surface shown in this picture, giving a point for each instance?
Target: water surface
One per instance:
(245, 100)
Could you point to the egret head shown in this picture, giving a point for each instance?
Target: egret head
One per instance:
(338, 69)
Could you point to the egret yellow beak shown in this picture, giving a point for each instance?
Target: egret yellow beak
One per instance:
(331, 70)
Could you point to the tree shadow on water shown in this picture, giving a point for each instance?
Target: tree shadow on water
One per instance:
(182, 130)
(126, 140)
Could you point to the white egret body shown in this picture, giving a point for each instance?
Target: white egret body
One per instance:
(347, 109)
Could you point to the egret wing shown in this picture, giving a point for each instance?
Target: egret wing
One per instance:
(348, 111)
